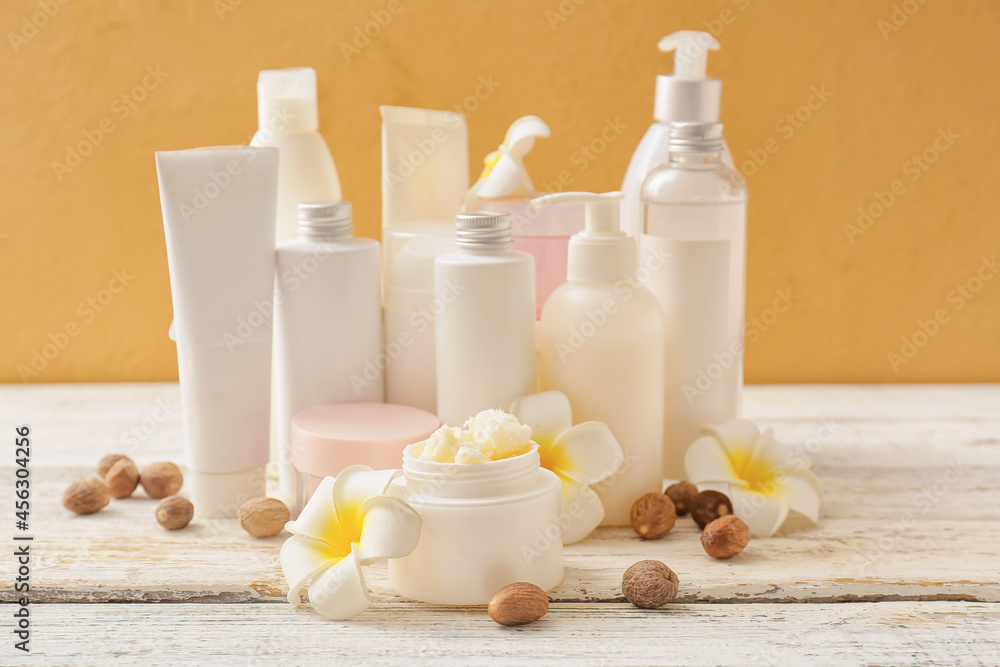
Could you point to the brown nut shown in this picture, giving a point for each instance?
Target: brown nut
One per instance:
(709, 506)
(123, 478)
(161, 479)
(682, 493)
(108, 460)
(174, 512)
(517, 604)
(263, 517)
(725, 537)
(86, 496)
(650, 584)
(652, 516)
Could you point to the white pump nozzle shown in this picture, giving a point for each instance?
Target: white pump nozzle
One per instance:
(690, 49)
(688, 95)
(602, 209)
(602, 253)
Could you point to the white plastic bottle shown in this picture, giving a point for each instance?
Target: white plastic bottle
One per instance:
(288, 119)
(328, 322)
(601, 339)
(485, 328)
(694, 250)
(686, 96)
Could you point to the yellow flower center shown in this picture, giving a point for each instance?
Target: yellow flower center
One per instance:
(759, 474)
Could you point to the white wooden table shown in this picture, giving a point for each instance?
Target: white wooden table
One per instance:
(903, 568)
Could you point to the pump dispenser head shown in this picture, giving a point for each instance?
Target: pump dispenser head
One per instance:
(286, 100)
(602, 252)
(688, 94)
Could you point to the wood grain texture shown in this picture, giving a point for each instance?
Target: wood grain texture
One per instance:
(612, 635)
(910, 520)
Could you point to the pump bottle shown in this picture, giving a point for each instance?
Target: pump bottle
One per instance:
(686, 96)
(288, 119)
(485, 326)
(694, 249)
(601, 339)
(327, 324)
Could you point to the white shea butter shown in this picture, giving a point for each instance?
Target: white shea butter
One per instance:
(489, 436)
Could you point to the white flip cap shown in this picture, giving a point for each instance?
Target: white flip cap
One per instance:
(220, 495)
(602, 253)
(688, 95)
(286, 100)
(504, 171)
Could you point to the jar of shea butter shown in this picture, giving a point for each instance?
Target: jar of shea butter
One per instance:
(485, 525)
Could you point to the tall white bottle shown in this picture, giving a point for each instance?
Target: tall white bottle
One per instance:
(694, 250)
(688, 95)
(288, 119)
(602, 345)
(485, 328)
(328, 322)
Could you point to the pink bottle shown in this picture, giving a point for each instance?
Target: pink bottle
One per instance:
(505, 187)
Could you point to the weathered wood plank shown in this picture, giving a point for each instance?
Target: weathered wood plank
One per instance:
(911, 477)
(940, 633)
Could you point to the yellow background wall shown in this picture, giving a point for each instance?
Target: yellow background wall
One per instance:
(894, 75)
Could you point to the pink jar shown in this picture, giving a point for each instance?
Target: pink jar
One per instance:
(329, 438)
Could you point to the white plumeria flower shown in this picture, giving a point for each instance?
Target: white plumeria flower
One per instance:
(763, 478)
(348, 522)
(580, 455)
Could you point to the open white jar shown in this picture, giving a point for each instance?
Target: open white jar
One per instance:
(485, 525)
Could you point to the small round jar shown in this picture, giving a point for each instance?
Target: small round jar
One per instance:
(328, 438)
(485, 525)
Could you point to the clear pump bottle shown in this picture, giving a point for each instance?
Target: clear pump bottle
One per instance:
(687, 95)
(694, 249)
(601, 340)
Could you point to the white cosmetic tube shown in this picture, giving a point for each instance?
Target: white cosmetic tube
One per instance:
(219, 218)
(425, 175)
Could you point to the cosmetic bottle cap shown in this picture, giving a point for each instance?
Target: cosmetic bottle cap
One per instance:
(602, 253)
(688, 94)
(687, 137)
(483, 230)
(504, 173)
(318, 219)
(286, 100)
